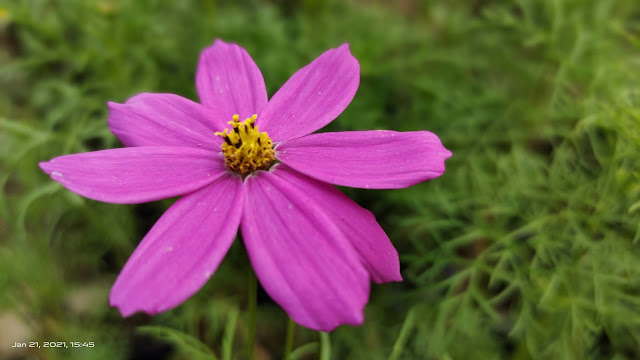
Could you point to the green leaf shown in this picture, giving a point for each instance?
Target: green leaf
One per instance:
(186, 344)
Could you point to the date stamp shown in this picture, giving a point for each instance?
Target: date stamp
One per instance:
(54, 344)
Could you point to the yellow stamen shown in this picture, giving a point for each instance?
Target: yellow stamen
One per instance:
(245, 148)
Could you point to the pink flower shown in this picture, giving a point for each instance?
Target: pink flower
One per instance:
(313, 249)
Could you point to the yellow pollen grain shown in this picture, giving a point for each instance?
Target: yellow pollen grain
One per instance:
(245, 148)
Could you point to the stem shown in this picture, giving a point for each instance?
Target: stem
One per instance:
(407, 326)
(325, 346)
(288, 345)
(251, 329)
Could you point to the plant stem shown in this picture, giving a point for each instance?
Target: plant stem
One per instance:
(325, 346)
(288, 345)
(253, 303)
(407, 326)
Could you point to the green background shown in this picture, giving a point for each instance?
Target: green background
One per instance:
(527, 247)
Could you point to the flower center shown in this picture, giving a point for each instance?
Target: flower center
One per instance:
(245, 148)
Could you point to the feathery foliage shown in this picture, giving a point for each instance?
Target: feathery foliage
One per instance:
(527, 247)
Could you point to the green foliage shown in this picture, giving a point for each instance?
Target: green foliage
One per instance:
(527, 247)
(189, 346)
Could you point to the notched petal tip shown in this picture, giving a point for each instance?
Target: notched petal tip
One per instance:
(385, 267)
(344, 46)
(447, 153)
(439, 146)
(50, 168)
(122, 309)
(346, 50)
(135, 99)
(128, 310)
(356, 320)
(229, 82)
(114, 107)
(220, 42)
(389, 277)
(45, 166)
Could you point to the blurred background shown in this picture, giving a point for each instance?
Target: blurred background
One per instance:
(527, 247)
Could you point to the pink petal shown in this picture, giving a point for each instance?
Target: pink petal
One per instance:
(165, 120)
(229, 82)
(357, 224)
(182, 250)
(137, 174)
(367, 159)
(300, 256)
(313, 96)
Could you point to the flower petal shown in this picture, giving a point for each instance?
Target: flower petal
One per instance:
(229, 82)
(377, 159)
(137, 174)
(182, 250)
(313, 96)
(357, 224)
(302, 259)
(164, 120)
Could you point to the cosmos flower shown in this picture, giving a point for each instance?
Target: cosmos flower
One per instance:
(241, 160)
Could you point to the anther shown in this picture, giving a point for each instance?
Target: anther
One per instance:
(245, 148)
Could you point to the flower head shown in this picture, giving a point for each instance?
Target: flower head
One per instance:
(313, 249)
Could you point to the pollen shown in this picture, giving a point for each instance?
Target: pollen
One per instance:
(245, 148)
